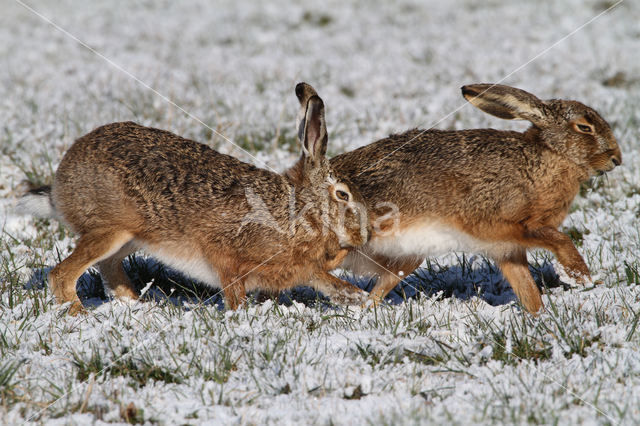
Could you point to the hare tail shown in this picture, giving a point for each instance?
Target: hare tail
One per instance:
(37, 202)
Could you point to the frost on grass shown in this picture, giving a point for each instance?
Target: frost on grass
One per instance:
(453, 347)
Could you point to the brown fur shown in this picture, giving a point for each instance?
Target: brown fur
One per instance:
(508, 189)
(124, 186)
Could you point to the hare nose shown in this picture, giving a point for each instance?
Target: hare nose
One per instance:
(615, 161)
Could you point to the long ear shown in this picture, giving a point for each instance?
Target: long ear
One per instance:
(312, 129)
(505, 102)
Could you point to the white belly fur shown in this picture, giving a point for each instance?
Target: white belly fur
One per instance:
(432, 239)
(195, 267)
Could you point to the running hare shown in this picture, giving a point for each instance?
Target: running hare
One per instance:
(125, 187)
(487, 191)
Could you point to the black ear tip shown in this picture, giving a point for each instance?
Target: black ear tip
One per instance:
(300, 89)
(467, 91)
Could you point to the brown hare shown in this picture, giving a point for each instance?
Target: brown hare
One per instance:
(125, 187)
(488, 191)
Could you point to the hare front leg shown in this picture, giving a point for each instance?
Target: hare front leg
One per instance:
(114, 275)
(90, 248)
(516, 270)
(339, 291)
(336, 261)
(562, 247)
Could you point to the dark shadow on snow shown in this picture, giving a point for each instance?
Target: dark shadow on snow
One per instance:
(462, 281)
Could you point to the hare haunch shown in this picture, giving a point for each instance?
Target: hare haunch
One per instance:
(487, 191)
(125, 187)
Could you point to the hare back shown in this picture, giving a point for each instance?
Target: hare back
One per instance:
(153, 180)
(156, 165)
(482, 174)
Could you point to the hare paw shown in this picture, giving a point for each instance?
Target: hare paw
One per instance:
(573, 277)
(76, 308)
(351, 297)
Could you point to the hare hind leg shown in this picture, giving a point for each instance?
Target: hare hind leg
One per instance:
(516, 270)
(390, 275)
(90, 248)
(235, 294)
(114, 275)
(233, 287)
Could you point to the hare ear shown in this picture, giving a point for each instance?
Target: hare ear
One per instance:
(312, 129)
(505, 102)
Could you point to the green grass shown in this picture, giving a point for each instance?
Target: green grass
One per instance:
(139, 370)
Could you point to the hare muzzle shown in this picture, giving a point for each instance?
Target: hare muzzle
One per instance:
(616, 159)
(606, 161)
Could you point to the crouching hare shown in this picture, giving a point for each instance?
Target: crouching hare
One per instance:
(488, 191)
(125, 187)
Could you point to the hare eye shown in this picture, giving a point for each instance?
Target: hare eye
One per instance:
(342, 195)
(584, 128)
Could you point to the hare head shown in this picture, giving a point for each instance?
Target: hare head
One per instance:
(343, 208)
(568, 127)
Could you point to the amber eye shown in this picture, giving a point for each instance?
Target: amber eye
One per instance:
(342, 195)
(584, 128)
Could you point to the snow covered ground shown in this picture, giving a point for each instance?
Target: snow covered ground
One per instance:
(458, 350)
